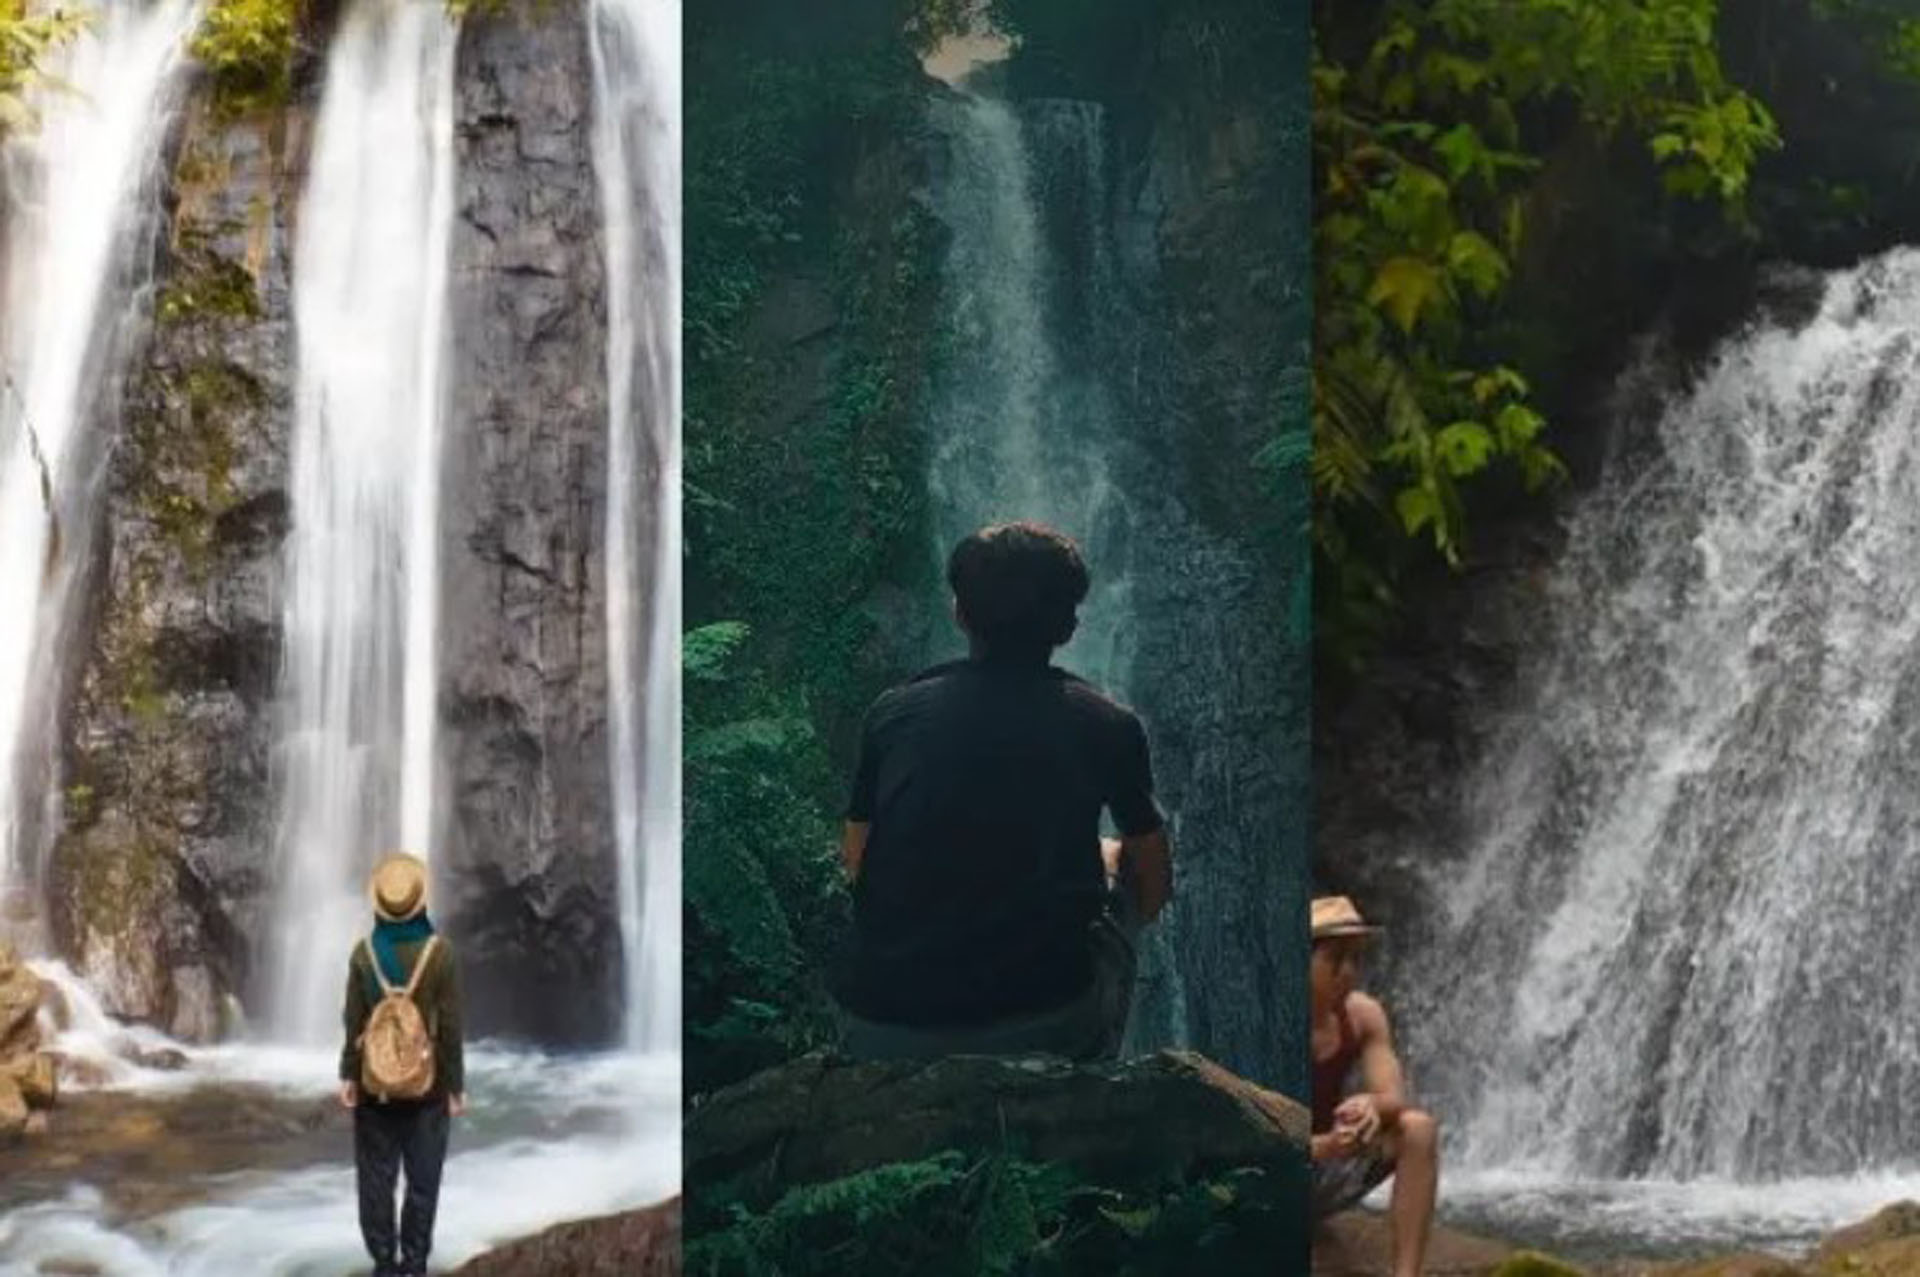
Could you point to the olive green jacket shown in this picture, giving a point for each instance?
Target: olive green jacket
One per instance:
(438, 996)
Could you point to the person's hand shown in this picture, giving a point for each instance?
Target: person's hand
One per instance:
(1338, 1142)
(456, 1104)
(1361, 1115)
(349, 1095)
(1110, 857)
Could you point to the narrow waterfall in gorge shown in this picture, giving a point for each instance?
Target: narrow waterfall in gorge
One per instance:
(79, 201)
(1052, 403)
(637, 156)
(358, 681)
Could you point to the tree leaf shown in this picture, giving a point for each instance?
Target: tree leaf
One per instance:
(1404, 287)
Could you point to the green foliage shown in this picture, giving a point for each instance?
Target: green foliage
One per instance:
(25, 42)
(249, 46)
(958, 1216)
(800, 507)
(1427, 135)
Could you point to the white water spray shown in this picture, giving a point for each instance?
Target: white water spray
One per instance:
(78, 202)
(359, 684)
(1689, 862)
(636, 146)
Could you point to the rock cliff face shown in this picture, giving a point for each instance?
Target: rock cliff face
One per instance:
(524, 702)
(161, 882)
(158, 877)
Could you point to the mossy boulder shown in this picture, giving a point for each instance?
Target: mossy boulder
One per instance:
(1897, 1222)
(1531, 1263)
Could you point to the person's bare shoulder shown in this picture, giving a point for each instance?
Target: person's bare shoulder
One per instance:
(1369, 1017)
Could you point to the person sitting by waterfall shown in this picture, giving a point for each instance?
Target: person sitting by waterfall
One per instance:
(1362, 1137)
(402, 1069)
(989, 915)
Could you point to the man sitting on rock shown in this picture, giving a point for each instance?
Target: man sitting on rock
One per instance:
(402, 1076)
(990, 917)
(1363, 1137)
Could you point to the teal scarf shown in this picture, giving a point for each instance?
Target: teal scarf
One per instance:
(386, 935)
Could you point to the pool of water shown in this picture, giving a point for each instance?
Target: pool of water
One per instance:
(545, 1139)
(1592, 1220)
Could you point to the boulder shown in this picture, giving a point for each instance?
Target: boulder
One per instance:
(1133, 1124)
(1740, 1265)
(1890, 1223)
(164, 1059)
(641, 1243)
(13, 1111)
(19, 1003)
(36, 1077)
(1359, 1243)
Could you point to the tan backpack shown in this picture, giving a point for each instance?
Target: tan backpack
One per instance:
(396, 1047)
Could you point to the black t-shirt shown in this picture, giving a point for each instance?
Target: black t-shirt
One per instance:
(983, 783)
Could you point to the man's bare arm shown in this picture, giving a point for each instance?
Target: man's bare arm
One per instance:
(1144, 868)
(1380, 1069)
(853, 845)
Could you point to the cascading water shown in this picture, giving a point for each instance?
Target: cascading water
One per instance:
(1675, 948)
(359, 687)
(79, 206)
(636, 59)
(1050, 404)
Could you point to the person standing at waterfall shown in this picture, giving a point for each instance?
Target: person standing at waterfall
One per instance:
(989, 914)
(1363, 1137)
(392, 1133)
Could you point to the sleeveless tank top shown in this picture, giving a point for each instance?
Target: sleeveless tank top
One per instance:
(1330, 1074)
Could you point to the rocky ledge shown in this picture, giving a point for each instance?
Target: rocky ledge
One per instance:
(1173, 1114)
(1359, 1244)
(641, 1243)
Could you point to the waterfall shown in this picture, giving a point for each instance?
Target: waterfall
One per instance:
(1051, 402)
(1677, 945)
(79, 205)
(636, 146)
(359, 685)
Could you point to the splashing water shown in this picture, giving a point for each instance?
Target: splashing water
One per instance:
(636, 144)
(370, 311)
(80, 205)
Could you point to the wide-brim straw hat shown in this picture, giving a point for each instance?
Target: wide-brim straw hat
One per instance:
(398, 887)
(1335, 917)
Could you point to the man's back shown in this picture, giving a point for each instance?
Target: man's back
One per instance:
(983, 784)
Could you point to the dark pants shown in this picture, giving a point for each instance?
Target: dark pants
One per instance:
(385, 1137)
(1089, 1028)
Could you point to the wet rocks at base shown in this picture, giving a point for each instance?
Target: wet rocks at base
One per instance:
(29, 1076)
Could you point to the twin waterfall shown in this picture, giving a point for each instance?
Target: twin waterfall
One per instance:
(79, 200)
(370, 317)
(356, 763)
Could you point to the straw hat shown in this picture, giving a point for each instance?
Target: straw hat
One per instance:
(398, 887)
(1335, 916)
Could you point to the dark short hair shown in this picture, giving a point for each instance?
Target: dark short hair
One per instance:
(1018, 586)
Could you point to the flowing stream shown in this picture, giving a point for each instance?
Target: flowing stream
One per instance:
(1670, 951)
(79, 201)
(1051, 402)
(358, 683)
